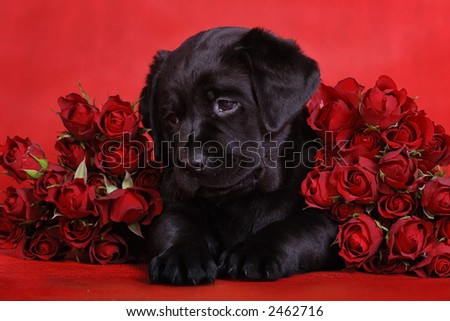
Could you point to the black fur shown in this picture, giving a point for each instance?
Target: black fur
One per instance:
(246, 221)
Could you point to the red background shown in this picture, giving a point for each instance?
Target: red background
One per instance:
(46, 47)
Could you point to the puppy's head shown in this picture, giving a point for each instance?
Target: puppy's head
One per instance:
(218, 102)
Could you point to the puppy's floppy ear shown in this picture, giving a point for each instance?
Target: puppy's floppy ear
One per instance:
(283, 78)
(148, 106)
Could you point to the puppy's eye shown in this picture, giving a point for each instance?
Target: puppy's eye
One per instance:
(225, 105)
(172, 118)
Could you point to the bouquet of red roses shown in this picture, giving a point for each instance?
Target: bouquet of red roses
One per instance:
(380, 174)
(91, 204)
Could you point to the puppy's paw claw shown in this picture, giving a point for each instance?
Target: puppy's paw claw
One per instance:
(180, 266)
(246, 261)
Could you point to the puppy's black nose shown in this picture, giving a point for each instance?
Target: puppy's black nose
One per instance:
(193, 160)
(196, 163)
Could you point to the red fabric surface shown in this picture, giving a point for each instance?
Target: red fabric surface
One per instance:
(69, 280)
(47, 46)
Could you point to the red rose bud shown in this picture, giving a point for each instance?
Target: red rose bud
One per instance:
(437, 151)
(436, 197)
(398, 170)
(396, 205)
(436, 263)
(118, 157)
(72, 153)
(335, 109)
(326, 159)
(317, 190)
(413, 132)
(379, 263)
(108, 248)
(129, 205)
(53, 177)
(22, 159)
(45, 245)
(20, 205)
(77, 116)
(409, 237)
(97, 181)
(356, 182)
(359, 239)
(78, 233)
(384, 105)
(365, 143)
(342, 212)
(443, 229)
(148, 178)
(73, 199)
(117, 119)
(10, 232)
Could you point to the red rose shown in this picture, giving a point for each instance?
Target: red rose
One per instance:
(410, 237)
(326, 159)
(117, 118)
(414, 132)
(359, 239)
(78, 233)
(77, 116)
(384, 105)
(108, 248)
(356, 182)
(436, 196)
(342, 212)
(365, 143)
(395, 206)
(73, 199)
(317, 190)
(97, 181)
(398, 170)
(436, 263)
(21, 205)
(22, 159)
(129, 205)
(52, 177)
(72, 153)
(443, 229)
(335, 109)
(379, 263)
(117, 158)
(10, 232)
(148, 178)
(45, 245)
(437, 151)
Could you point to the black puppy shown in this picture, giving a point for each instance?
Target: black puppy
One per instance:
(225, 110)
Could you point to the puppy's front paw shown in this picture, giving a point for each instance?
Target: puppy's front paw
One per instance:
(183, 265)
(254, 261)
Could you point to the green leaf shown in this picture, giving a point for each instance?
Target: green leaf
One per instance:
(135, 103)
(42, 162)
(85, 95)
(136, 229)
(372, 127)
(428, 214)
(32, 173)
(336, 241)
(65, 135)
(127, 181)
(369, 208)
(56, 214)
(143, 131)
(109, 187)
(81, 171)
